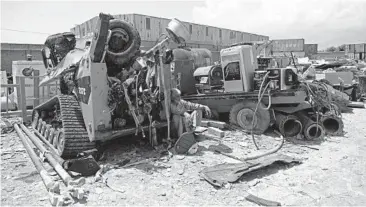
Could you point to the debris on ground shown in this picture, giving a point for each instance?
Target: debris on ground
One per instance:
(221, 174)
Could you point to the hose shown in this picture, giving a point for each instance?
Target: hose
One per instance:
(274, 150)
(260, 96)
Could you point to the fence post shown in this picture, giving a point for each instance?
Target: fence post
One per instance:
(22, 94)
(36, 88)
(18, 94)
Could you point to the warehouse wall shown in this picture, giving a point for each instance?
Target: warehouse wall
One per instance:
(310, 49)
(12, 52)
(150, 28)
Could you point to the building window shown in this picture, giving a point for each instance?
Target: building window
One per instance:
(220, 33)
(206, 31)
(242, 37)
(190, 28)
(148, 23)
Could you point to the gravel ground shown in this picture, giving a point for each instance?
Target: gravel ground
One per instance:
(332, 175)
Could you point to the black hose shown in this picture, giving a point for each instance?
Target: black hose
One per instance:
(260, 96)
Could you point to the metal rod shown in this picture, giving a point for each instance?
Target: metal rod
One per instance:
(47, 180)
(166, 93)
(56, 165)
(51, 147)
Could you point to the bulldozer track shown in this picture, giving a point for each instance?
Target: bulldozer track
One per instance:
(73, 137)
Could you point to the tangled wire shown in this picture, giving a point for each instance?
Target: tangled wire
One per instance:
(115, 95)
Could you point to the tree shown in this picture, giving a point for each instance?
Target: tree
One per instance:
(331, 49)
(342, 47)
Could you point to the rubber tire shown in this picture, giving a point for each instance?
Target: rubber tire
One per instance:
(263, 116)
(124, 57)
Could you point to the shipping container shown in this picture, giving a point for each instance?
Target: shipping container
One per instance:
(288, 45)
(360, 47)
(310, 49)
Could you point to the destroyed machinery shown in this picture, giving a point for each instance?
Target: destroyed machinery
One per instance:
(109, 89)
(255, 98)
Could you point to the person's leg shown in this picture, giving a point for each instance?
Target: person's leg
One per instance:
(197, 118)
(177, 125)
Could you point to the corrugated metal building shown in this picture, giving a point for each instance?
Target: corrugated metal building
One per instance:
(310, 49)
(356, 51)
(12, 52)
(150, 28)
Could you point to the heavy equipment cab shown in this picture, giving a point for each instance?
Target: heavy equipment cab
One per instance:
(238, 68)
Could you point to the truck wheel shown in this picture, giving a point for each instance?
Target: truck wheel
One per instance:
(124, 43)
(242, 114)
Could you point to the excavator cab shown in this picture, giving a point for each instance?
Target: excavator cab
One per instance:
(238, 65)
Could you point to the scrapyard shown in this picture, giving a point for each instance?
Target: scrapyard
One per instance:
(169, 126)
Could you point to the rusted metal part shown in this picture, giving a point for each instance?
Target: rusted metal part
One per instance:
(51, 185)
(333, 125)
(312, 129)
(185, 142)
(54, 163)
(85, 165)
(221, 174)
(288, 125)
(261, 201)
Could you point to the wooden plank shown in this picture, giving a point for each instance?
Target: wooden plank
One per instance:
(19, 100)
(356, 105)
(23, 102)
(9, 85)
(7, 100)
(214, 123)
(216, 132)
(204, 123)
(15, 113)
(36, 88)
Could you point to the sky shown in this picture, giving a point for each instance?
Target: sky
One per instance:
(325, 22)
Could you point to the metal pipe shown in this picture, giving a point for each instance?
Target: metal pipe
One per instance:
(51, 185)
(166, 93)
(312, 130)
(333, 125)
(50, 147)
(56, 165)
(288, 125)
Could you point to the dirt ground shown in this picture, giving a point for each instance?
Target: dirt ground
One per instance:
(332, 175)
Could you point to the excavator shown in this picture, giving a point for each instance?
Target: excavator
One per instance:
(106, 89)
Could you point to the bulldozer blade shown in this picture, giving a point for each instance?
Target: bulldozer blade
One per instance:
(86, 166)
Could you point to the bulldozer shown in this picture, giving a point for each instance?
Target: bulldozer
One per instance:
(107, 90)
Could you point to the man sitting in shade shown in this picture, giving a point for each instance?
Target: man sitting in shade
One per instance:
(183, 121)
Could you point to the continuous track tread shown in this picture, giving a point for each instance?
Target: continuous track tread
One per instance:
(75, 135)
